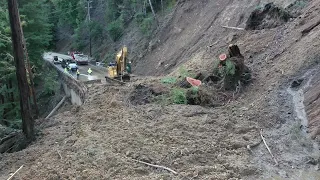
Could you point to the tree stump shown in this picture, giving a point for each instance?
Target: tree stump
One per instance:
(185, 84)
(232, 81)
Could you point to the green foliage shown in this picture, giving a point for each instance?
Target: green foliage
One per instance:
(80, 37)
(169, 80)
(230, 68)
(51, 84)
(194, 90)
(116, 29)
(96, 31)
(37, 31)
(178, 96)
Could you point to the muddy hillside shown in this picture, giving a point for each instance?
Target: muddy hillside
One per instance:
(159, 127)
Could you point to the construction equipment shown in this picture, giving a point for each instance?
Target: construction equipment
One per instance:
(119, 69)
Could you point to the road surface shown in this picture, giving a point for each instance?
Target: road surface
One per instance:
(97, 72)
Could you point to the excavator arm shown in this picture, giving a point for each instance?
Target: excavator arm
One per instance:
(121, 60)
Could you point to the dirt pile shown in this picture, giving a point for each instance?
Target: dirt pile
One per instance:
(103, 142)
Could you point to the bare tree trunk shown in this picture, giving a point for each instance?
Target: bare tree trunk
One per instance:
(154, 14)
(17, 42)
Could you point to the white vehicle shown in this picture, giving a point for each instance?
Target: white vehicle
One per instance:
(72, 67)
(56, 60)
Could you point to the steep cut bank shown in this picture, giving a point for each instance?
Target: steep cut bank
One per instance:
(194, 32)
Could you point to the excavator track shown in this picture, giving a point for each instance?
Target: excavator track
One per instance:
(112, 81)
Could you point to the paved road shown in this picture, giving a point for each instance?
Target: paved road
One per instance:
(97, 72)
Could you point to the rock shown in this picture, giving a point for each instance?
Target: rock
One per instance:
(296, 83)
(283, 174)
(312, 161)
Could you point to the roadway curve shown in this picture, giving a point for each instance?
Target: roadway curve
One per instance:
(97, 72)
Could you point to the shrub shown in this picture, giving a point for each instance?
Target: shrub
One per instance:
(178, 96)
(230, 68)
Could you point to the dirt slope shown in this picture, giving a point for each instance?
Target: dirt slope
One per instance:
(100, 139)
(192, 28)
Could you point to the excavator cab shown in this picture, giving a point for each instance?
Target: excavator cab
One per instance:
(119, 69)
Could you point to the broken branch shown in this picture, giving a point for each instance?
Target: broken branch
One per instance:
(15, 173)
(236, 28)
(265, 143)
(59, 154)
(156, 166)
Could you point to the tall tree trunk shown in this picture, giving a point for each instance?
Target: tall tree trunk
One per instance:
(30, 76)
(17, 42)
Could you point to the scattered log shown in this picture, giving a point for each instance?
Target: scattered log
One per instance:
(57, 107)
(236, 28)
(265, 143)
(156, 166)
(15, 172)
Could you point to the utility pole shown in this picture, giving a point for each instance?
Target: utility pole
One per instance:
(89, 19)
(17, 43)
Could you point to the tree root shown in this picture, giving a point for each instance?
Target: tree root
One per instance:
(13, 142)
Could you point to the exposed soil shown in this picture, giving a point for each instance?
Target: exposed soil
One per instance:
(101, 139)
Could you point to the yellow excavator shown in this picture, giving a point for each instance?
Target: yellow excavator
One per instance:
(121, 69)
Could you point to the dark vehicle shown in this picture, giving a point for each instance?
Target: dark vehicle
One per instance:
(56, 60)
(66, 62)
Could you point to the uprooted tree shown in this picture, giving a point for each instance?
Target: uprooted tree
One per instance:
(229, 75)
